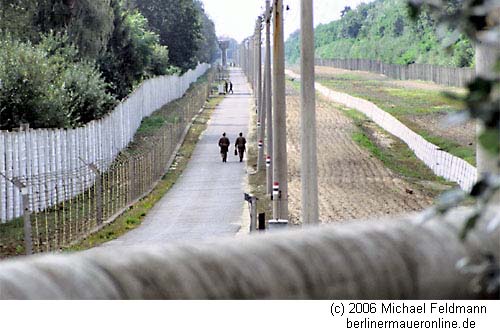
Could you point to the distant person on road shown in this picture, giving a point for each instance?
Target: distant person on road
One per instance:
(225, 86)
(231, 87)
(241, 146)
(224, 147)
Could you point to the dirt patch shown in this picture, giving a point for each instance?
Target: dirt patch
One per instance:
(352, 183)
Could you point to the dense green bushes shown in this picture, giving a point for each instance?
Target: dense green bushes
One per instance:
(109, 47)
(46, 86)
(383, 30)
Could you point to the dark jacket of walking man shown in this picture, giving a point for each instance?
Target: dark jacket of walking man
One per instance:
(224, 147)
(241, 146)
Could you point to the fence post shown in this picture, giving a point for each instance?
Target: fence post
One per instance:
(252, 202)
(28, 244)
(98, 191)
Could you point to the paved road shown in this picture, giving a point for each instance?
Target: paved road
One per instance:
(207, 200)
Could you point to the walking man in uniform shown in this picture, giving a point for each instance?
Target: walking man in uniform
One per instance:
(231, 87)
(224, 147)
(241, 146)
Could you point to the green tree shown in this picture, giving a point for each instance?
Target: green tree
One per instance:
(88, 23)
(344, 11)
(46, 86)
(16, 18)
(133, 52)
(209, 48)
(178, 23)
(383, 30)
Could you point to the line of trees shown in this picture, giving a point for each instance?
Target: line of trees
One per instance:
(66, 62)
(384, 30)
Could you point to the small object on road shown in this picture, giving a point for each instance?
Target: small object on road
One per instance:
(409, 191)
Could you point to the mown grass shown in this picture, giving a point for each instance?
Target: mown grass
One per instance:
(151, 124)
(405, 104)
(134, 216)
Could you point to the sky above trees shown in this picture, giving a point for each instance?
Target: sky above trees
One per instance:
(236, 19)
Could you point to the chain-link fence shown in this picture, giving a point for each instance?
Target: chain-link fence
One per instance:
(88, 197)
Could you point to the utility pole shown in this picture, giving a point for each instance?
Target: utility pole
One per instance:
(256, 67)
(260, 111)
(309, 168)
(268, 99)
(251, 62)
(241, 56)
(247, 58)
(280, 166)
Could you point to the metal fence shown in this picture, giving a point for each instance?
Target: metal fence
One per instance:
(67, 204)
(41, 152)
(449, 76)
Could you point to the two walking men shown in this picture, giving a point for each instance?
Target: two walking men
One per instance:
(240, 147)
